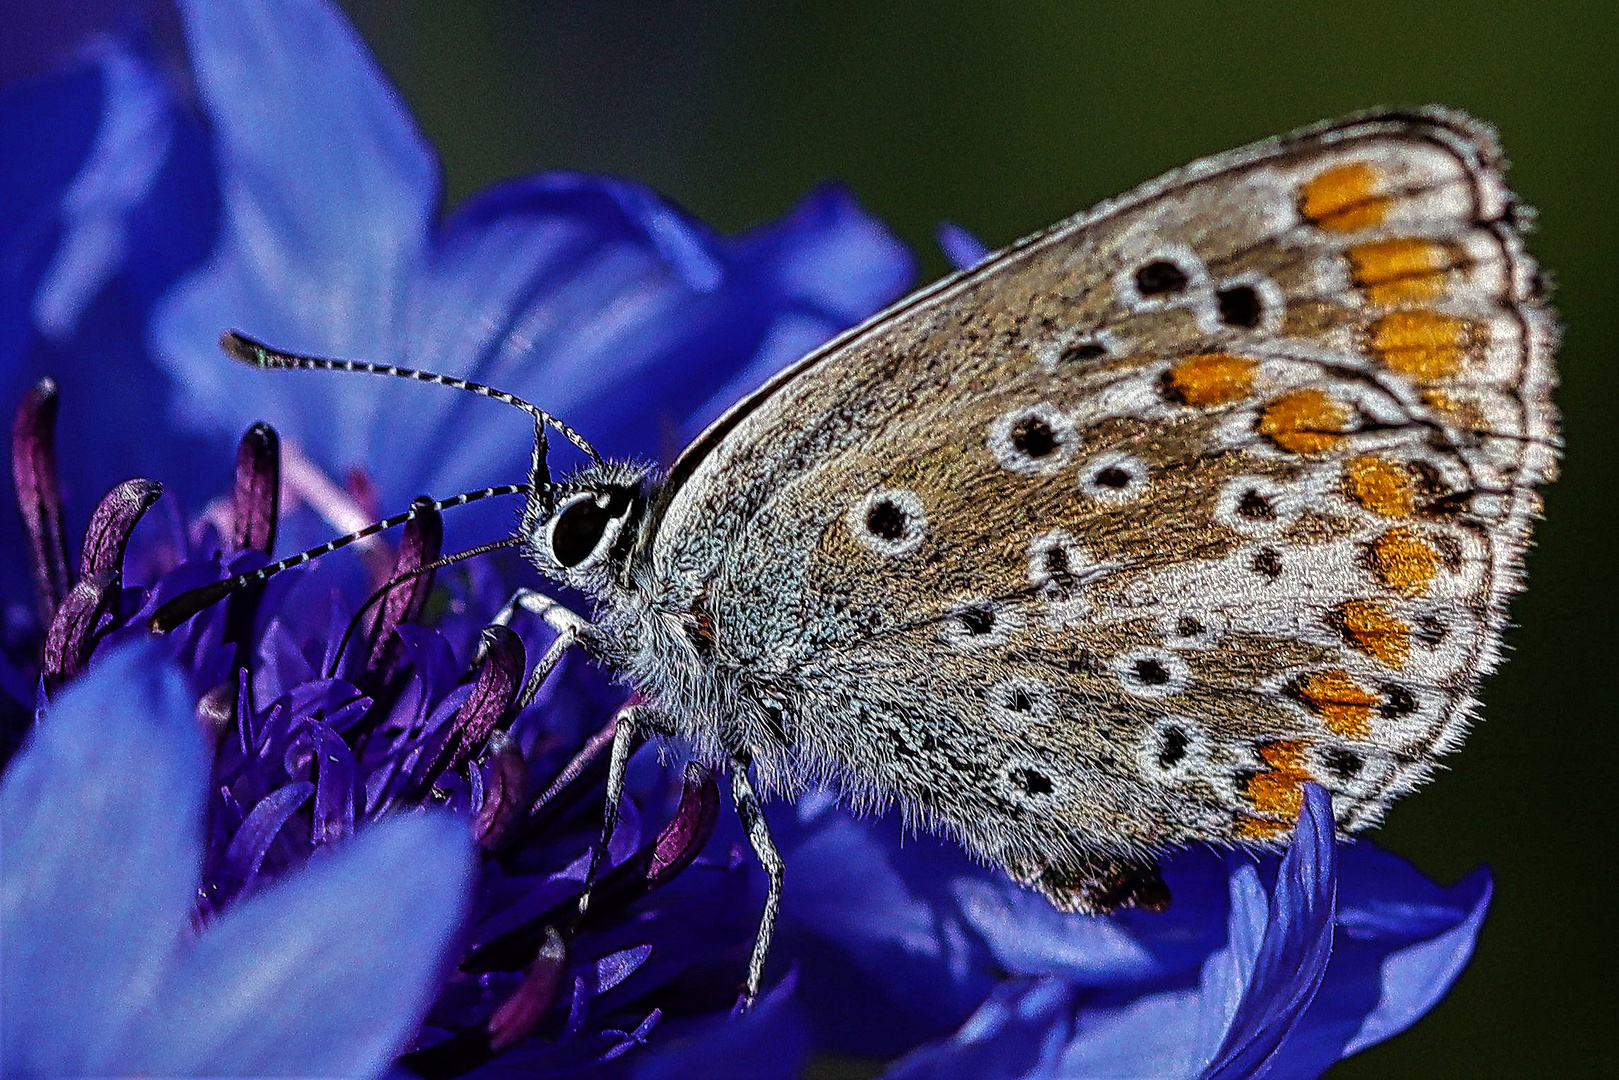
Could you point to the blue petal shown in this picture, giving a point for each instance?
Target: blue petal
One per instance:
(579, 293)
(132, 143)
(1168, 1027)
(569, 291)
(1293, 958)
(606, 306)
(48, 128)
(1416, 977)
(1401, 943)
(103, 201)
(902, 936)
(101, 813)
(1029, 936)
(1019, 1030)
(961, 247)
(769, 1043)
(326, 973)
(328, 193)
(1140, 1006)
(888, 958)
(825, 266)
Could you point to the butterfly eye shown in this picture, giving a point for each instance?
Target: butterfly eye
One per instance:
(578, 528)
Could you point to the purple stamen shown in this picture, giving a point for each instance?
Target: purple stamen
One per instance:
(39, 494)
(421, 544)
(500, 676)
(505, 793)
(514, 1020)
(580, 775)
(112, 522)
(680, 841)
(256, 494)
(675, 846)
(519, 1014)
(72, 634)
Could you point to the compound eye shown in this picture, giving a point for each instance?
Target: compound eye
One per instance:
(579, 528)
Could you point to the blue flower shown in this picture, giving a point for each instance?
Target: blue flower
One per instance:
(295, 199)
(102, 972)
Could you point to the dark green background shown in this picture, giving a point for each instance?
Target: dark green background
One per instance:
(1005, 117)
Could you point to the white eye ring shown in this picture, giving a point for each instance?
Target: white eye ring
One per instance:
(1256, 506)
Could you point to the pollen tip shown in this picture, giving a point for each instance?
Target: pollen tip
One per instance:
(189, 603)
(239, 346)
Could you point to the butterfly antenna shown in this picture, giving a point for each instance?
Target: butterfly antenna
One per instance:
(398, 580)
(189, 603)
(243, 348)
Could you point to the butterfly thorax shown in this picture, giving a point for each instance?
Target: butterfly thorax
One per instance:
(592, 533)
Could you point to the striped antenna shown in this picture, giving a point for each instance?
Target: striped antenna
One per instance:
(192, 601)
(243, 348)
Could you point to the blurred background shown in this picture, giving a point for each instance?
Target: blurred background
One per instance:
(1006, 117)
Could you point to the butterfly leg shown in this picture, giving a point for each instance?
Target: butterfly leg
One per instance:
(565, 640)
(568, 625)
(557, 615)
(753, 823)
(625, 728)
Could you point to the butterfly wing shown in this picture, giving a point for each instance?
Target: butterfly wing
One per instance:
(1113, 541)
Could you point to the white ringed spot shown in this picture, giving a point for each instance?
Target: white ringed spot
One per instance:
(1059, 569)
(1193, 630)
(1173, 749)
(889, 521)
(1170, 274)
(1033, 439)
(1255, 506)
(1114, 477)
(1013, 704)
(979, 623)
(1151, 673)
(1251, 302)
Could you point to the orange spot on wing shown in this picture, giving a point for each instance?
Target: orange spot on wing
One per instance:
(1403, 561)
(1464, 413)
(1255, 828)
(1275, 790)
(1400, 270)
(1426, 346)
(1343, 198)
(1380, 486)
(1368, 628)
(1342, 704)
(1209, 379)
(1303, 421)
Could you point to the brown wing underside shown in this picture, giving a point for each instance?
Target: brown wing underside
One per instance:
(1120, 538)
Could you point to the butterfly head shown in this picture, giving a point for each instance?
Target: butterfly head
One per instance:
(581, 531)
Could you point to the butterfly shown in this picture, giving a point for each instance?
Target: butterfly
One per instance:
(1107, 544)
